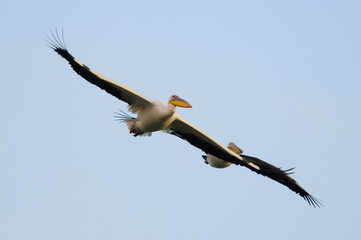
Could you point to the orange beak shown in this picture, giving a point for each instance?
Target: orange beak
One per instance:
(179, 102)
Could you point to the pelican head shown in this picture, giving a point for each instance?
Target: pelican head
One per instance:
(179, 102)
(233, 147)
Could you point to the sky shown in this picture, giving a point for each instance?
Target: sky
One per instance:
(281, 79)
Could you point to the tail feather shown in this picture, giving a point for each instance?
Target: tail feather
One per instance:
(124, 117)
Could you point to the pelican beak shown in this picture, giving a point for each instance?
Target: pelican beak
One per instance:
(179, 102)
(233, 147)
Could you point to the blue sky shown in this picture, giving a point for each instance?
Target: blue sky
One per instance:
(281, 79)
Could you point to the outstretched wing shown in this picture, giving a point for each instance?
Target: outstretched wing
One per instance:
(135, 100)
(203, 141)
(195, 136)
(283, 177)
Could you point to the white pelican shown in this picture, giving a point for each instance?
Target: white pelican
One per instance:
(154, 116)
(219, 163)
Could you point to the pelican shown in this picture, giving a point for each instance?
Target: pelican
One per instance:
(155, 116)
(219, 163)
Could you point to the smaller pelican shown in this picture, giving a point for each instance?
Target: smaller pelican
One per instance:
(219, 163)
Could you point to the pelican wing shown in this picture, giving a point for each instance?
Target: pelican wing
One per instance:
(201, 140)
(195, 136)
(283, 177)
(135, 100)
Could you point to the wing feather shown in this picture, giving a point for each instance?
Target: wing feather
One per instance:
(135, 100)
(201, 140)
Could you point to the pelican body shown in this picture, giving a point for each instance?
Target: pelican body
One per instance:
(219, 163)
(154, 116)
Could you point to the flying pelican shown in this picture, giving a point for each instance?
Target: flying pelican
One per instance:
(155, 116)
(219, 163)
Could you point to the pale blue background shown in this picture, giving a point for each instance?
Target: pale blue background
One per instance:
(282, 79)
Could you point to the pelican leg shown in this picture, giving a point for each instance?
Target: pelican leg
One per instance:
(205, 159)
(135, 132)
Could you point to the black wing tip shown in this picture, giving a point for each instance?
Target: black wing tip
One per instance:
(289, 171)
(313, 201)
(56, 40)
